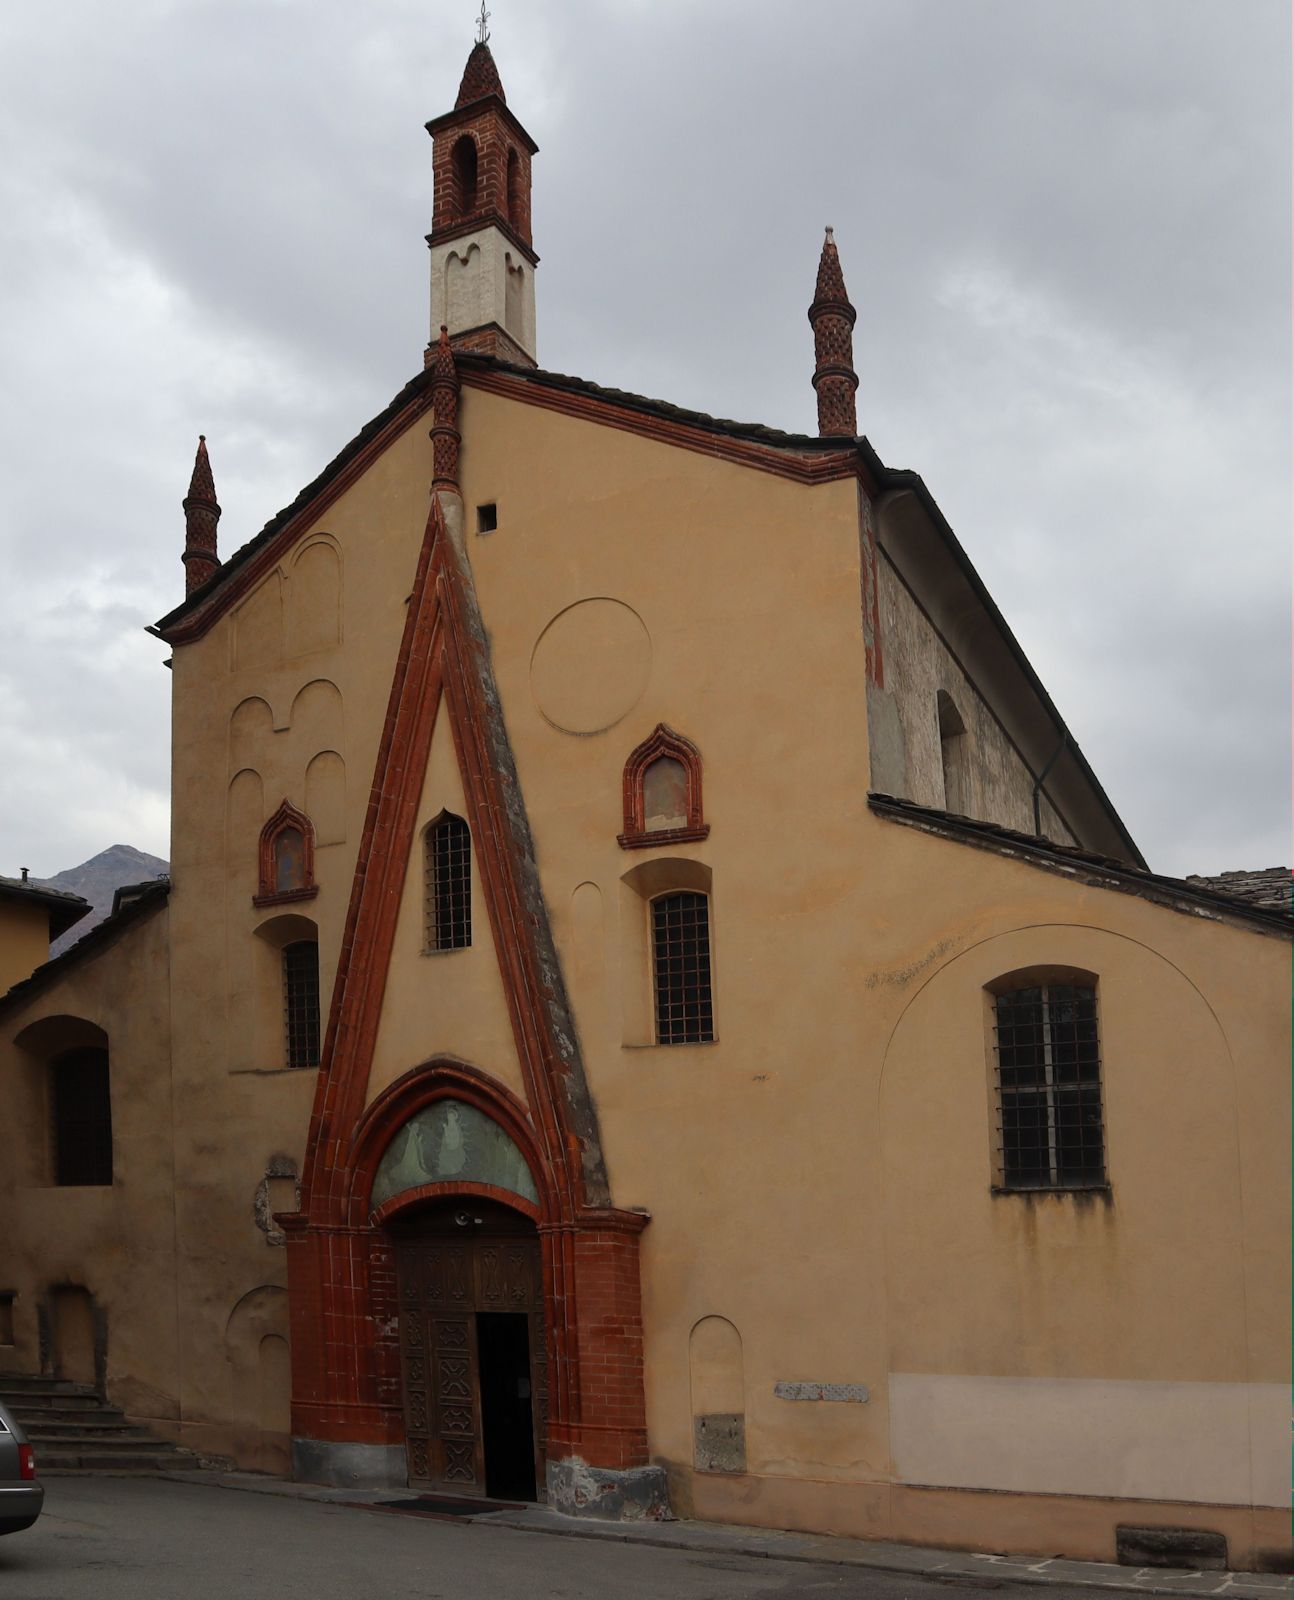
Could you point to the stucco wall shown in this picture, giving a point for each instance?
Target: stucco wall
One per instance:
(118, 1243)
(24, 941)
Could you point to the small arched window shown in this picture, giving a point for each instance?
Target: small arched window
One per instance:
(952, 754)
(464, 160)
(516, 195)
(662, 792)
(287, 858)
(681, 968)
(1048, 1057)
(301, 1002)
(81, 1104)
(448, 884)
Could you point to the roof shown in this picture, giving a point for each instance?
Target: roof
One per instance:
(1194, 896)
(64, 909)
(804, 446)
(1271, 887)
(129, 906)
(480, 77)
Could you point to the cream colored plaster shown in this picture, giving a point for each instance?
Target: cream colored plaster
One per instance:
(446, 1002)
(1220, 1443)
(483, 278)
(24, 941)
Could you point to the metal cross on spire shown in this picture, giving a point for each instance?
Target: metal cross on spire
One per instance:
(483, 26)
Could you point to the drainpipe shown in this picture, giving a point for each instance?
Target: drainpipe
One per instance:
(1042, 778)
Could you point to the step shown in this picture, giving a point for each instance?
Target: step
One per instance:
(65, 1416)
(88, 1438)
(78, 1441)
(98, 1461)
(36, 1384)
(59, 1405)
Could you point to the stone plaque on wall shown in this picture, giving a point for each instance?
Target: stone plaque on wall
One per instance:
(719, 1442)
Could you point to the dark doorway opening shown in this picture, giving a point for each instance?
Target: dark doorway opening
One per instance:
(507, 1424)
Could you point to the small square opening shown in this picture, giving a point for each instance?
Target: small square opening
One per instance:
(487, 518)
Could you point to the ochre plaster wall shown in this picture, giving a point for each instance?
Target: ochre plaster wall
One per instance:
(24, 941)
(118, 1243)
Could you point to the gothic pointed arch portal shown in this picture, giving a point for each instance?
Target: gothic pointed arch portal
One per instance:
(348, 1421)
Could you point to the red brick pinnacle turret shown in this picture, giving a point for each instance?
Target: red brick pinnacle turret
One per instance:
(445, 437)
(201, 514)
(833, 321)
(480, 77)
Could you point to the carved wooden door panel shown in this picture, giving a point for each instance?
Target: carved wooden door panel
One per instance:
(442, 1407)
(443, 1284)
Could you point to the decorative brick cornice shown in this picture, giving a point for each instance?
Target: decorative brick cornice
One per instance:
(201, 515)
(832, 318)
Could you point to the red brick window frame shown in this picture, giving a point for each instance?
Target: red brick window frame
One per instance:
(643, 830)
(287, 859)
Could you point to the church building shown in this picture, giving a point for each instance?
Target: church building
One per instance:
(653, 1010)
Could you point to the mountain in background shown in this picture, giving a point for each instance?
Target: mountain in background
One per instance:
(98, 879)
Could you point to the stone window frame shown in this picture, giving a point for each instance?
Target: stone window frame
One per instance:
(663, 741)
(286, 817)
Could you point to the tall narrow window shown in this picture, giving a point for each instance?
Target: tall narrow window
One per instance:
(952, 754)
(449, 884)
(463, 159)
(301, 1002)
(82, 1118)
(681, 968)
(1049, 1088)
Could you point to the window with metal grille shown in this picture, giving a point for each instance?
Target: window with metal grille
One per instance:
(681, 968)
(449, 884)
(301, 1002)
(82, 1116)
(1049, 1088)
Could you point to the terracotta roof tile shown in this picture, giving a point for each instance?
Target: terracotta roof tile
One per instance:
(480, 77)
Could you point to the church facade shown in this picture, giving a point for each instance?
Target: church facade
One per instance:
(652, 1007)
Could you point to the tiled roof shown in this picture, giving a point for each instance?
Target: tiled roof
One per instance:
(64, 909)
(1197, 896)
(1270, 887)
(480, 77)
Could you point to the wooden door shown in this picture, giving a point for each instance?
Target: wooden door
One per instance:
(445, 1279)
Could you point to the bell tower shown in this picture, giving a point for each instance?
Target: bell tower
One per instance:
(482, 261)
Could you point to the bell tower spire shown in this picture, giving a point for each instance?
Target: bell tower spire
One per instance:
(833, 320)
(201, 514)
(482, 259)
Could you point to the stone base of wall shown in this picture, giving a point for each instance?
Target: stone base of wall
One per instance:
(627, 1494)
(1082, 1528)
(349, 1466)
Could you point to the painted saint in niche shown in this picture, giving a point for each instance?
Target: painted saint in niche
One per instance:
(289, 861)
(664, 795)
(448, 1142)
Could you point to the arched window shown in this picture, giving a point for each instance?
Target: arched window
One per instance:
(287, 858)
(661, 791)
(516, 195)
(1047, 1049)
(81, 1106)
(464, 161)
(301, 1002)
(449, 884)
(952, 754)
(681, 968)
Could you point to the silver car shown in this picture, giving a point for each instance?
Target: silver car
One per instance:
(21, 1497)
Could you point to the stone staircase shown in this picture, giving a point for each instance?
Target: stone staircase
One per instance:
(72, 1429)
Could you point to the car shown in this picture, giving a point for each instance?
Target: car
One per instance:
(21, 1497)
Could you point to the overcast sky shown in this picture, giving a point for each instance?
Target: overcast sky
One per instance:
(1065, 225)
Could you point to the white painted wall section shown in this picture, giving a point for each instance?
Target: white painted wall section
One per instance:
(1216, 1443)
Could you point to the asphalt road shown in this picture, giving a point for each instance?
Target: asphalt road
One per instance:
(151, 1539)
